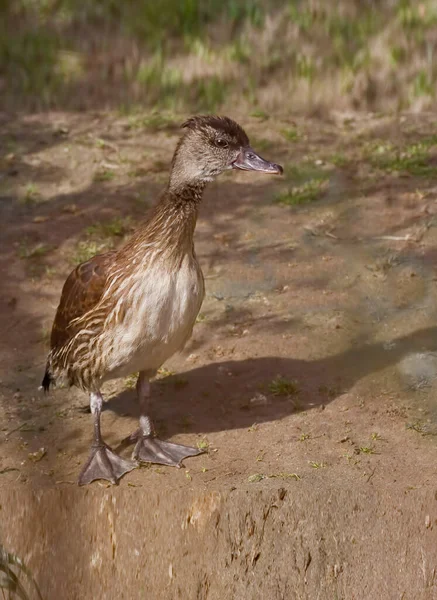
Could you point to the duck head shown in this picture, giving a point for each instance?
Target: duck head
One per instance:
(212, 145)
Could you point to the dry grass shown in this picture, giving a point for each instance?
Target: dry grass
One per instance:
(262, 56)
(14, 577)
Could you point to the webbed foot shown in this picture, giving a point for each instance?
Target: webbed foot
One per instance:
(103, 463)
(153, 450)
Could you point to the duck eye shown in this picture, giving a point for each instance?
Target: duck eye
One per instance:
(221, 143)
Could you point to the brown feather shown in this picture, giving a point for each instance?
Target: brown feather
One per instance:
(81, 293)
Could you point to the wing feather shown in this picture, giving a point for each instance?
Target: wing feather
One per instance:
(82, 291)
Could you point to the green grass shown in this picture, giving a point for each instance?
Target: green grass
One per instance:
(339, 159)
(280, 386)
(423, 84)
(306, 171)
(15, 577)
(164, 372)
(100, 237)
(290, 134)
(210, 93)
(45, 45)
(131, 380)
(317, 465)
(413, 158)
(302, 194)
(203, 444)
(256, 477)
(87, 249)
(305, 67)
(31, 194)
(419, 427)
(259, 114)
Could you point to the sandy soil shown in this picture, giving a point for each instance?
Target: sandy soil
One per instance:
(336, 297)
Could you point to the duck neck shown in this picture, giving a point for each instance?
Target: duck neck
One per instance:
(174, 220)
(183, 193)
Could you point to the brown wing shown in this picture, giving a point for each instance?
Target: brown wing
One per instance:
(81, 292)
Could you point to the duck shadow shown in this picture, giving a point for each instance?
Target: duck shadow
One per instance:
(235, 394)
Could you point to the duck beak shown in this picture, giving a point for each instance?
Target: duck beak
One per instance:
(249, 160)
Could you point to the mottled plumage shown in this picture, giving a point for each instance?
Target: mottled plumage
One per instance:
(131, 309)
(110, 311)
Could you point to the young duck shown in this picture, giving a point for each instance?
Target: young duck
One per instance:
(131, 309)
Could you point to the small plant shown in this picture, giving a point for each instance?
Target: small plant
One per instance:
(317, 465)
(163, 372)
(256, 477)
(290, 134)
(259, 114)
(303, 194)
(367, 450)
(305, 67)
(283, 387)
(131, 380)
(413, 159)
(375, 436)
(203, 444)
(351, 459)
(423, 84)
(210, 92)
(304, 436)
(13, 571)
(339, 159)
(419, 427)
(31, 194)
(86, 250)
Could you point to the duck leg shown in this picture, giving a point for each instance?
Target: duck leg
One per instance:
(149, 448)
(102, 463)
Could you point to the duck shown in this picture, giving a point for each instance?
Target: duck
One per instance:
(129, 310)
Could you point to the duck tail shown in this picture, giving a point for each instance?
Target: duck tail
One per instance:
(48, 380)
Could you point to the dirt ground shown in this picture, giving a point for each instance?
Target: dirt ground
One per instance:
(310, 379)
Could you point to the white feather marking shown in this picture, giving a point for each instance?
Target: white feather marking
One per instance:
(161, 309)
